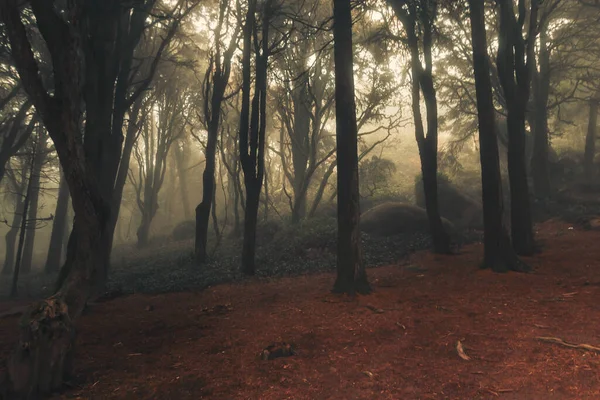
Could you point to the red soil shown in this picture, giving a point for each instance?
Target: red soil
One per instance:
(398, 343)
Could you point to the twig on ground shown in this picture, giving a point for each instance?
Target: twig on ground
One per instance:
(461, 351)
(561, 342)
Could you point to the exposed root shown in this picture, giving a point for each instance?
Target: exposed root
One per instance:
(561, 342)
(42, 358)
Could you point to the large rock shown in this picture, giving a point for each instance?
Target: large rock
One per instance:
(185, 230)
(461, 209)
(396, 218)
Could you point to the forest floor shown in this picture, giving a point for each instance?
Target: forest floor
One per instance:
(398, 343)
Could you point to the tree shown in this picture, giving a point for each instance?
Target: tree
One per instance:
(515, 63)
(15, 133)
(165, 125)
(125, 46)
(18, 182)
(421, 14)
(40, 154)
(304, 97)
(498, 252)
(253, 124)
(590, 139)
(541, 79)
(57, 237)
(41, 361)
(215, 83)
(351, 273)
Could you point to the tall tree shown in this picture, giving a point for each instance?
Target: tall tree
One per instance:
(18, 184)
(498, 252)
(57, 237)
(351, 273)
(419, 16)
(215, 83)
(40, 153)
(165, 125)
(253, 121)
(515, 66)
(87, 69)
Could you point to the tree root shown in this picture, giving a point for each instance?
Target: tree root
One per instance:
(42, 358)
(561, 342)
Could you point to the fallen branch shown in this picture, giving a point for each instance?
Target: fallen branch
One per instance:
(561, 342)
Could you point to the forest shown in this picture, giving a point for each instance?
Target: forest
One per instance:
(303, 199)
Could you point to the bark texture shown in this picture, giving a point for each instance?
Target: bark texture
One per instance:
(498, 252)
(351, 274)
(253, 126)
(515, 63)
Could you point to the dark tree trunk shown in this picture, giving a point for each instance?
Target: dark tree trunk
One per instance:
(23, 228)
(520, 212)
(253, 129)
(541, 141)
(321, 189)
(217, 78)
(498, 253)
(250, 223)
(590, 141)
(11, 235)
(11, 142)
(34, 196)
(208, 189)
(351, 273)
(57, 236)
(41, 361)
(514, 70)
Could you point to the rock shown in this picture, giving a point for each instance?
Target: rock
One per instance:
(395, 218)
(461, 209)
(185, 230)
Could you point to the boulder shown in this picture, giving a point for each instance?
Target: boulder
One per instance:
(461, 209)
(395, 218)
(185, 230)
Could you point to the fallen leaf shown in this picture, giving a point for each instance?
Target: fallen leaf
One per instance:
(461, 351)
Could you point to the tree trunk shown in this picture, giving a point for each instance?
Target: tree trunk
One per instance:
(498, 253)
(41, 361)
(422, 80)
(9, 147)
(34, 196)
(300, 147)
(143, 231)
(321, 189)
(590, 141)
(440, 238)
(250, 222)
(11, 236)
(58, 228)
(351, 273)
(23, 228)
(208, 189)
(253, 129)
(541, 141)
(515, 66)
(520, 213)
(183, 188)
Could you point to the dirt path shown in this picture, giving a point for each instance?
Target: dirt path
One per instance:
(398, 343)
